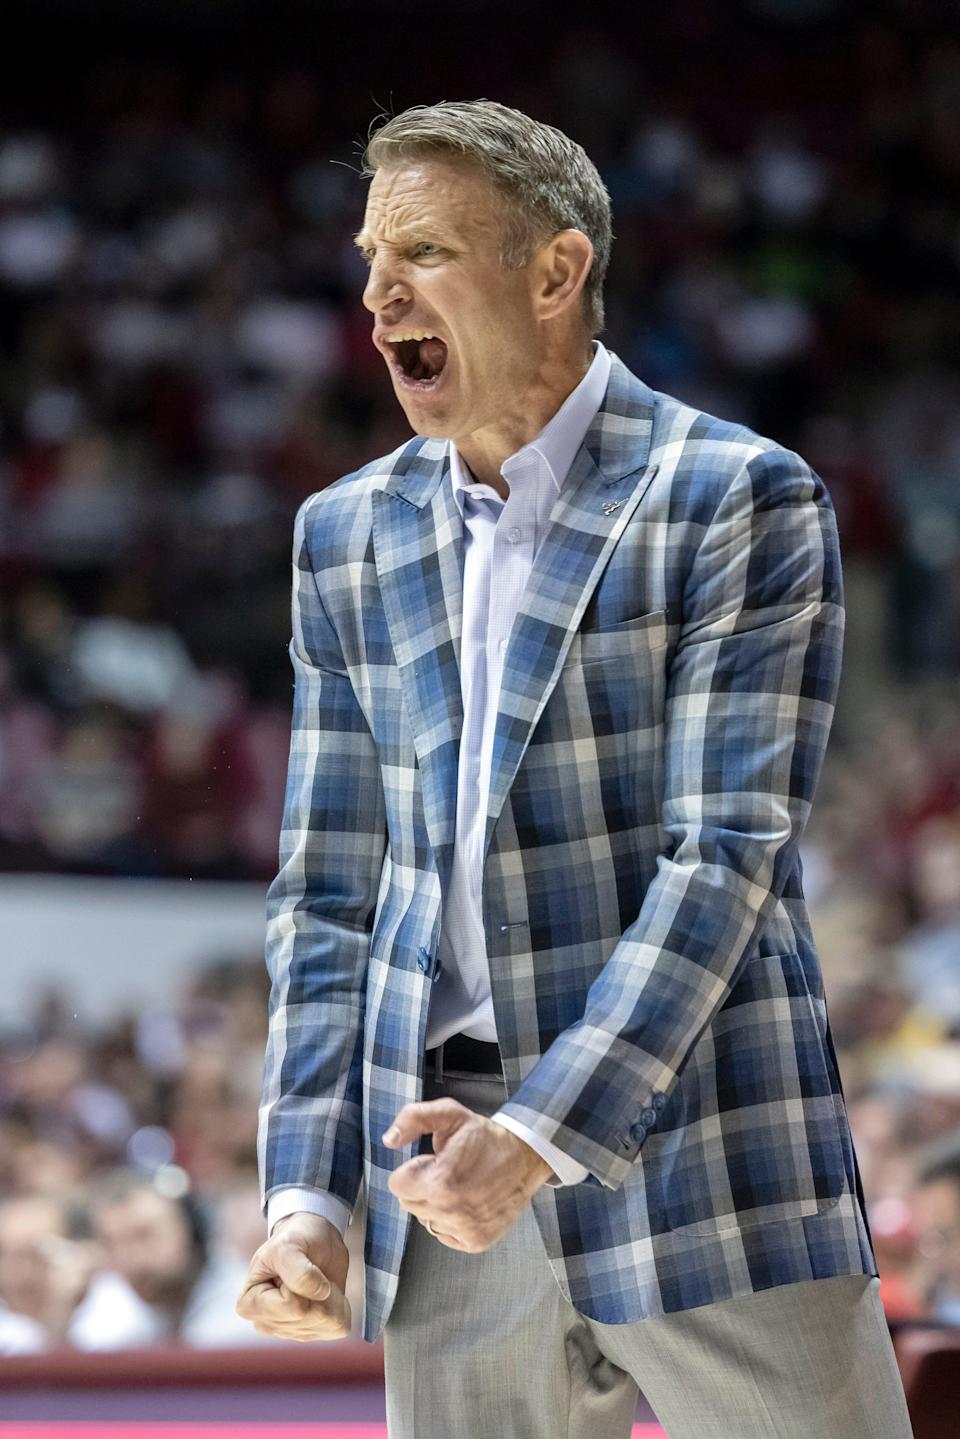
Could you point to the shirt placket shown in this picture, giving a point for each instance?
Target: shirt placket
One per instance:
(510, 558)
(477, 678)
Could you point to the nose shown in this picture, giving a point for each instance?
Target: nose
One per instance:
(385, 284)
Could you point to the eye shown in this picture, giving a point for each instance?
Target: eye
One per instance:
(428, 248)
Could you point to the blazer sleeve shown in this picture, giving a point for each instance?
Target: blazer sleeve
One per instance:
(319, 911)
(750, 692)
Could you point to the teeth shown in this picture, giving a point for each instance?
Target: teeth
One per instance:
(413, 335)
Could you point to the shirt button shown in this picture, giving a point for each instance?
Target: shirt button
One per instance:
(513, 535)
(503, 646)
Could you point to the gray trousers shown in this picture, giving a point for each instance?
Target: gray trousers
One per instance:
(485, 1346)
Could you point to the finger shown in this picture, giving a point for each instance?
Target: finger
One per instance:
(441, 1227)
(420, 1209)
(261, 1264)
(301, 1275)
(310, 1285)
(324, 1320)
(315, 1321)
(271, 1315)
(267, 1303)
(431, 1116)
(450, 1241)
(412, 1180)
(435, 1223)
(296, 1303)
(444, 1232)
(308, 1332)
(249, 1297)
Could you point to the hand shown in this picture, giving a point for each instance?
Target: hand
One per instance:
(476, 1182)
(296, 1284)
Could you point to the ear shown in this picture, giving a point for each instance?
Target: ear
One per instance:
(563, 266)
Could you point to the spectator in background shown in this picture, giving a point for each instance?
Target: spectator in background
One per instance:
(930, 955)
(47, 1260)
(163, 1280)
(936, 1206)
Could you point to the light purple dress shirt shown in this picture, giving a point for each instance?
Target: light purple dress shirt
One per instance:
(500, 540)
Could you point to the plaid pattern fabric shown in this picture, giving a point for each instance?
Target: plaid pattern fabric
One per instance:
(667, 693)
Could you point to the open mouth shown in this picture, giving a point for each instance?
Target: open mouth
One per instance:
(419, 360)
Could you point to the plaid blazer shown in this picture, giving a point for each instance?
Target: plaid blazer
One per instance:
(667, 693)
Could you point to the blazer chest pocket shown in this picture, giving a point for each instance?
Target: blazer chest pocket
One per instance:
(641, 635)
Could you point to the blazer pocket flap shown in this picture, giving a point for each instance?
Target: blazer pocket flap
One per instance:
(639, 634)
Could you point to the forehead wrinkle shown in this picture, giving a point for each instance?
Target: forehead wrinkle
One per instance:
(439, 204)
(406, 234)
(407, 221)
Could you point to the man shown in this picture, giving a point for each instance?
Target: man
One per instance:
(162, 1280)
(542, 973)
(47, 1260)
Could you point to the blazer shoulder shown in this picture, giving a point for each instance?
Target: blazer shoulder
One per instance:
(333, 512)
(716, 452)
(731, 440)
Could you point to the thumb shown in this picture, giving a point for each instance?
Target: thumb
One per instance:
(301, 1275)
(431, 1116)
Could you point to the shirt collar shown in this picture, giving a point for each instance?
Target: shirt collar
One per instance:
(557, 444)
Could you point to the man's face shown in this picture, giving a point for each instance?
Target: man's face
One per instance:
(432, 233)
(25, 1228)
(146, 1239)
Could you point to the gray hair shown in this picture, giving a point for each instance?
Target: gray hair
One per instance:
(548, 182)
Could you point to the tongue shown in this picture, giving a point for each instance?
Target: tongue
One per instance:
(433, 356)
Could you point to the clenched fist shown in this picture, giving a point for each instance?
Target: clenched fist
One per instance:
(296, 1285)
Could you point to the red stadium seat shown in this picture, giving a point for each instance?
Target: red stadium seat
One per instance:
(929, 1360)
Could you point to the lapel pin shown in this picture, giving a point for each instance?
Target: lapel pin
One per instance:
(611, 505)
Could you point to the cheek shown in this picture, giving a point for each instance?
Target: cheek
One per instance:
(482, 309)
(498, 349)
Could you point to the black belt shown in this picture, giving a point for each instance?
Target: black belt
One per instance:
(470, 1056)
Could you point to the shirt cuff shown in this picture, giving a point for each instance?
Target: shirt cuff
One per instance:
(291, 1199)
(566, 1170)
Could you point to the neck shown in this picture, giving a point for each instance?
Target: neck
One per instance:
(485, 450)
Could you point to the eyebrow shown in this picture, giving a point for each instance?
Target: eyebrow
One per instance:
(406, 237)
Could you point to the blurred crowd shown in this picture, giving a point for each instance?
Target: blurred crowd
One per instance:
(129, 1196)
(882, 874)
(184, 357)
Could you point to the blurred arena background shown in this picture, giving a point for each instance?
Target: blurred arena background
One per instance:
(184, 357)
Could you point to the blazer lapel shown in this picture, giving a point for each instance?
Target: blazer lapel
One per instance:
(606, 482)
(418, 551)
